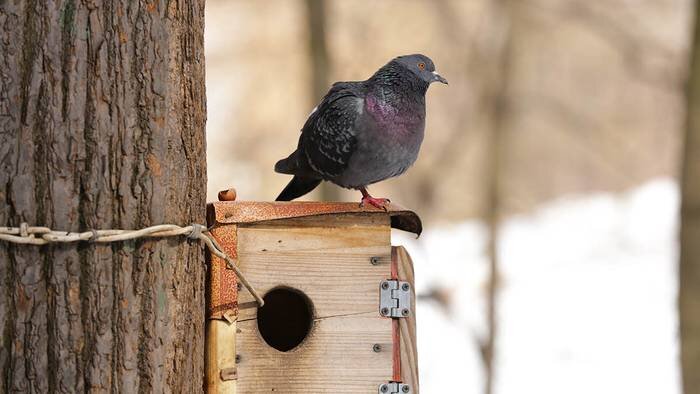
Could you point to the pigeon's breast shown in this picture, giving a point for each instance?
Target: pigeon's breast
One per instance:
(388, 145)
(396, 117)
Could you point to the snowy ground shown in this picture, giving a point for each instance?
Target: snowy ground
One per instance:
(587, 298)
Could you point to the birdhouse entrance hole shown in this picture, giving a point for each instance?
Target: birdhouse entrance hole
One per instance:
(286, 318)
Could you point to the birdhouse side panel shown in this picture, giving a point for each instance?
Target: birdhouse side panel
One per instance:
(407, 326)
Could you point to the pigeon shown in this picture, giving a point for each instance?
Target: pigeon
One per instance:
(363, 132)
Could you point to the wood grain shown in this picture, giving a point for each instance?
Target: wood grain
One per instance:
(220, 354)
(327, 258)
(407, 327)
(337, 357)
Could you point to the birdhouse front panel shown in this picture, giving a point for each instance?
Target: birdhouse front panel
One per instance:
(329, 260)
(323, 328)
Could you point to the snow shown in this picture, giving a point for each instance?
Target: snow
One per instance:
(587, 300)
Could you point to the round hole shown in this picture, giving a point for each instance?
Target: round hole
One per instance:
(286, 318)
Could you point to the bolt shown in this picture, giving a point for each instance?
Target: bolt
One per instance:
(384, 311)
(377, 348)
(405, 388)
(385, 285)
(384, 388)
(227, 195)
(405, 287)
(404, 312)
(374, 260)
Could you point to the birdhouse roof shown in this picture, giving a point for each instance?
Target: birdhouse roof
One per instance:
(240, 212)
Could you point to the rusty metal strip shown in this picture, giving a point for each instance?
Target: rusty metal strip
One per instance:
(395, 329)
(222, 302)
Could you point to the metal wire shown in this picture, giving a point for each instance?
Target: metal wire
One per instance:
(29, 235)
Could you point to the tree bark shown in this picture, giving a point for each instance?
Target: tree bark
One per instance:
(102, 114)
(689, 291)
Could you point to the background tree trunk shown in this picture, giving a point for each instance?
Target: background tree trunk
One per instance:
(689, 292)
(320, 70)
(496, 78)
(102, 113)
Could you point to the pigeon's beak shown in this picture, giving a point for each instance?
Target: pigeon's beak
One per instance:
(439, 78)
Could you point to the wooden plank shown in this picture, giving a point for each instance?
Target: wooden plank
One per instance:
(328, 259)
(337, 357)
(407, 327)
(220, 354)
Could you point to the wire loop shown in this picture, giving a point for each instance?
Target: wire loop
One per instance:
(27, 235)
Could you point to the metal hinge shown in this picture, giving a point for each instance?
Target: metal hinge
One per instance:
(394, 388)
(394, 298)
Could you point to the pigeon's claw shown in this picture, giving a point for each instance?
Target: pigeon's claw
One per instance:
(380, 203)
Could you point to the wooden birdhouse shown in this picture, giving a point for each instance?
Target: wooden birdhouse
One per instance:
(339, 303)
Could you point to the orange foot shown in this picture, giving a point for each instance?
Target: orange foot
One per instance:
(380, 203)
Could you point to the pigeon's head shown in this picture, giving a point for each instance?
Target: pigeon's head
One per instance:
(422, 67)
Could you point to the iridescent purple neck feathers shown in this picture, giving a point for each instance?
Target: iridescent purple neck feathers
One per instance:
(397, 116)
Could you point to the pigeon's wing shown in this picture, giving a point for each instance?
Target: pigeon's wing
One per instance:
(328, 138)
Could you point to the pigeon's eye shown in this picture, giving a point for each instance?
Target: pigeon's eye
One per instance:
(421, 65)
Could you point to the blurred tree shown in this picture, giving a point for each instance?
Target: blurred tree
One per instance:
(102, 114)
(689, 292)
(495, 64)
(318, 53)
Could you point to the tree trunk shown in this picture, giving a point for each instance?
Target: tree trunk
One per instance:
(496, 80)
(102, 113)
(689, 292)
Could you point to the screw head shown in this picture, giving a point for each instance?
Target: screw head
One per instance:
(238, 358)
(404, 312)
(377, 348)
(405, 388)
(384, 388)
(238, 286)
(374, 260)
(384, 311)
(405, 287)
(385, 285)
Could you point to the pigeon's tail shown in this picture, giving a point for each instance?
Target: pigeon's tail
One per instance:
(288, 165)
(297, 187)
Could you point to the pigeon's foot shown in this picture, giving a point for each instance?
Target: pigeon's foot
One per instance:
(380, 203)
